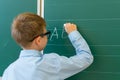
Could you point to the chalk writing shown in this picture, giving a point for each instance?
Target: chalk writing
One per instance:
(55, 35)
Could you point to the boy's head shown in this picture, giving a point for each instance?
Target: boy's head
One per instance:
(26, 30)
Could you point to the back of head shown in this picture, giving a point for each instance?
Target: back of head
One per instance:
(26, 27)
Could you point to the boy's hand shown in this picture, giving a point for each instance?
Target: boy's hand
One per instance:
(69, 27)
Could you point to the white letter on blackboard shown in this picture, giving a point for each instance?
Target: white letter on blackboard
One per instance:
(54, 34)
(64, 35)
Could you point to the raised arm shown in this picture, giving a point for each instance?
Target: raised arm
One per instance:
(83, 57)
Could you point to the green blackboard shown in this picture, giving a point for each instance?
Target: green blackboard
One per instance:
(9, 50)
(99, 23)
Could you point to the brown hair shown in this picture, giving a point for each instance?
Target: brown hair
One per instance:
(26, 27)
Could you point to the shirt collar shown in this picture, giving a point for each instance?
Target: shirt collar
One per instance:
(29, 53)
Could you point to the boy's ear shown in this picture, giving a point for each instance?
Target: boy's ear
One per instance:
(38, 40)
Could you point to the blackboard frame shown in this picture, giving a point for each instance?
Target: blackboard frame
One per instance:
(40, 7)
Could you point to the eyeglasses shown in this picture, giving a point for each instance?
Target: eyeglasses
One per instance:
(47, 33)
(42, 35)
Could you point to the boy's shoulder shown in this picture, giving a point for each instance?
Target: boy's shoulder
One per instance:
(10, 67)
(54, 57)
(51, 55)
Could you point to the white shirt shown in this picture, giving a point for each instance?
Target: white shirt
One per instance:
(33, 65)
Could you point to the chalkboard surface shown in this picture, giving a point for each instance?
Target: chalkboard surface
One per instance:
(99, 23)
(9, 50)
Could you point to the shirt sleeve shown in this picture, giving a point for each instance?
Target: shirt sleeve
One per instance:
(79, 62)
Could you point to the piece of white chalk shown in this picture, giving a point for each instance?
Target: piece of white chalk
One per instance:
(64, 24)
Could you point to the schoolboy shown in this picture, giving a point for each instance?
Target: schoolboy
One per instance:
(29, 31)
